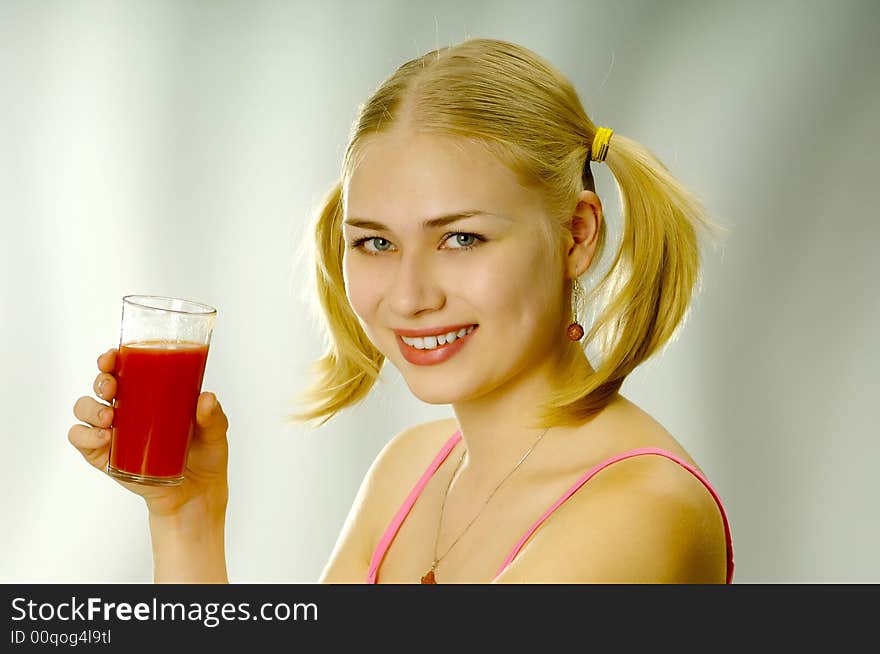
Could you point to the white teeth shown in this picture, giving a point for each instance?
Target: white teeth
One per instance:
(430, 342)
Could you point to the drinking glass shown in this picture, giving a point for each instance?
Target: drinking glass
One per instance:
(163, 351)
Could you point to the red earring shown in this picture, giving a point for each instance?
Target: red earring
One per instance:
(575, 331)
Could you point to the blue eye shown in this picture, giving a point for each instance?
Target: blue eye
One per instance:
(359, 242)
(476, 240)
(465, 247)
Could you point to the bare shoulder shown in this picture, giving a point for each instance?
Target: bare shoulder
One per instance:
(642, 519)
(392, 474)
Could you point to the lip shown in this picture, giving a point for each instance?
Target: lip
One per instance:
(438, 354)
(431, 331)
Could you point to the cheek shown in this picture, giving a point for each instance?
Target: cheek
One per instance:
(361, 295)
(516, 290)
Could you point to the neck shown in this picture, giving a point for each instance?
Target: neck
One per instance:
(499, 428)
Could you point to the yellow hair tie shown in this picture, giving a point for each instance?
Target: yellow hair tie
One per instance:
(600, 143)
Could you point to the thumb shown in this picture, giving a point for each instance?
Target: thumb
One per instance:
(211, 422)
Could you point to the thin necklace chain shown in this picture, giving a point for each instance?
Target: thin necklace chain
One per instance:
(443, 505)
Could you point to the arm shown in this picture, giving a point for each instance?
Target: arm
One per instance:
(642, 520)
(188, 553)
(186, 520)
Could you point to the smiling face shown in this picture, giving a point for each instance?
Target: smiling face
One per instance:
(494, 268)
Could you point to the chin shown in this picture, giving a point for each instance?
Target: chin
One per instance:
(437, 400)
(439, 390)
(434, 393)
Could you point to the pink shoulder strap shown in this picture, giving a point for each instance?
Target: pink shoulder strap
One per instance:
(580, 482)
(403, 511)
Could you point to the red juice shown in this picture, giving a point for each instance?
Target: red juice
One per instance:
(158, 386)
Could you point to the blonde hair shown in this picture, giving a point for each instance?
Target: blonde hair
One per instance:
(511, 101)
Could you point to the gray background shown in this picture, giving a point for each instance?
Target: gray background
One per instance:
(178, 148)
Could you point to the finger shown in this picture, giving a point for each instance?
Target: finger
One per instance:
(88, 438)
(93, 444)
(210, 452)
(211, 420)
(107, 361)
(93, 412)
(105, 386)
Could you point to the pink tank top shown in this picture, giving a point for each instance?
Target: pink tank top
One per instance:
(391, 532)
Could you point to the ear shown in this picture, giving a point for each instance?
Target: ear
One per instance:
(584, 227)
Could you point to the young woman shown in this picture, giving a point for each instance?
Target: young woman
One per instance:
(452, 245)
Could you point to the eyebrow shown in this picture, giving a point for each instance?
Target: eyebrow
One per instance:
(432, 223)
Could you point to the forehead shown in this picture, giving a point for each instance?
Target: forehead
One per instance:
(410, 176)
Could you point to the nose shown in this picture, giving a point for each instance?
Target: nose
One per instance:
(415, 287)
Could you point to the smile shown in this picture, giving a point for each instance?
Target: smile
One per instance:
(431, 342)
(431, 350)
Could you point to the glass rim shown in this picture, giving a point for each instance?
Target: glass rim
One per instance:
(138, 300)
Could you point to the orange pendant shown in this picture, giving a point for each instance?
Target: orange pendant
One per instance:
(429, 578)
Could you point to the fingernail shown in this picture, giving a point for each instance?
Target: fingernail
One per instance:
(101, 386)
(102, 415)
